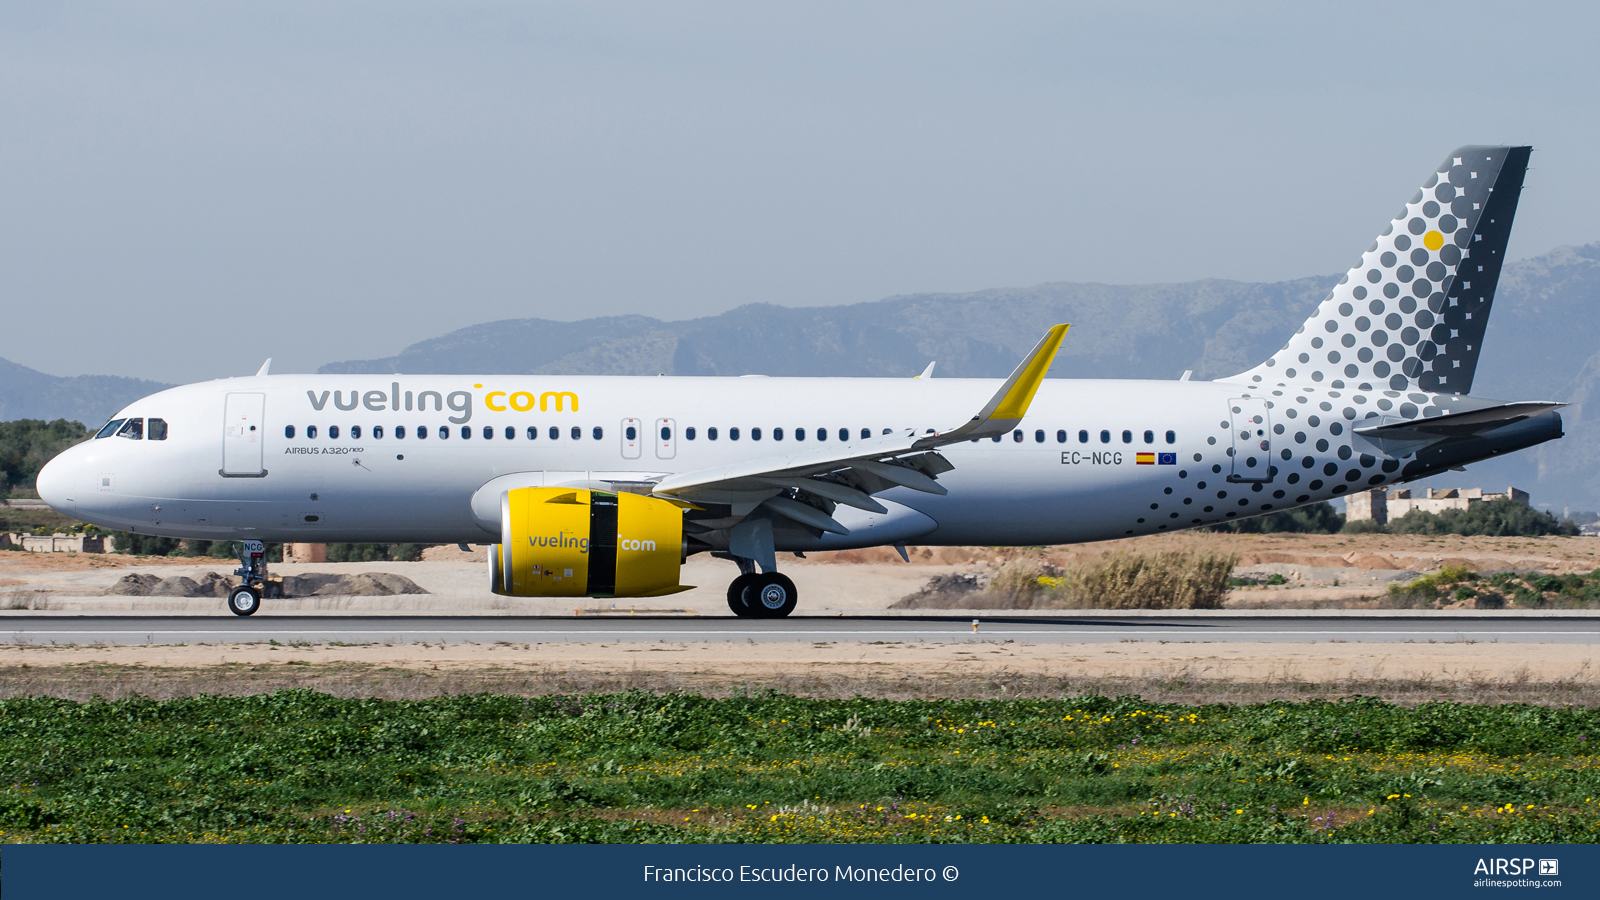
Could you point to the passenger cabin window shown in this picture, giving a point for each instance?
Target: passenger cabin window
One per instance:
(466, 432)
(711, 433)
(1061, 437)
(1127, 437)
(1172, 437)
(355, 432)
(511, 432)
(844, 434)
(689, 432)
(866, 433)
(822, 434)
(111, 427)
(1105, 436)
(399, 432)
(777, 434)
(598, 433)
(1016, 436)
(488, 432)
(133, 430)
(288, 431)
(443, 432)
(799, 434)
(1149, 437)
(577, 433)
(1038, 436)
(333, 432)
(533, 432)
(157, 430)
(377, 432)
(311, 432)
(1083, 437)
(555, 433)
(733, 434)
(755, 434)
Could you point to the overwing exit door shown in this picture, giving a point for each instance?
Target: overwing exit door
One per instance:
(632, 438)
(1252, 439)
(666, 438)
(243, 427)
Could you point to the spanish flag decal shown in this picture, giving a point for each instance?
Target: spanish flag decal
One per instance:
(1145, 459)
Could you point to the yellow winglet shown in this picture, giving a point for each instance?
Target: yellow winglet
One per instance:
(1017, 394)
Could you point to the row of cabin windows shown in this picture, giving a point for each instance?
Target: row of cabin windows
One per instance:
(134, 429)
(799, 434)
(1083, 436)
(442, 432)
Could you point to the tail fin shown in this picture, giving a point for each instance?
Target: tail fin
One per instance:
(1412, 313)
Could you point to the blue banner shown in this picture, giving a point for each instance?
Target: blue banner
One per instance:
(130, 872)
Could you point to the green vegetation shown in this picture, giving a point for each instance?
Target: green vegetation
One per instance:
(27, 444)
(373, 552)
(1316, 518)
(642, 767)
(1501, 590)
(1493, 518)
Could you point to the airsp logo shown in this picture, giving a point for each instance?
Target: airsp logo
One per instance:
(1515, 867)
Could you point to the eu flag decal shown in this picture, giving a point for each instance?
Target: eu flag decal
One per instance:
(1169, 459)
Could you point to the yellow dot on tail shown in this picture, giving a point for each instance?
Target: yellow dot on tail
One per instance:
(1433, 240)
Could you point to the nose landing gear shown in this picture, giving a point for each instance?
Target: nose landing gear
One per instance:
(767, 595)
(245, 599)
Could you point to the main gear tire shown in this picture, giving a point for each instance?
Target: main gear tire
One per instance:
(772, 596)
(737, 591)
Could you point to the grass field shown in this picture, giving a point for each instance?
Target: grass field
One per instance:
(647, 767)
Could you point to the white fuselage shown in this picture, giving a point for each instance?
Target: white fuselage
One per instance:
(1019, 490)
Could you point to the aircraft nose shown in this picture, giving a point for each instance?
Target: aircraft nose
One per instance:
(56, 485)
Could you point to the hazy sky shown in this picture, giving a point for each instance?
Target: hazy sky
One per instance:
(187, 188)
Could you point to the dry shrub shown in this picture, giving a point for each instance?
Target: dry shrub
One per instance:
(1179, 580)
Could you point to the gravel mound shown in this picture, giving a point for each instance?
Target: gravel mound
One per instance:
(211, 584)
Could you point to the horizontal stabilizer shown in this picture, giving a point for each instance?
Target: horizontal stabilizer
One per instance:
(1463, 424)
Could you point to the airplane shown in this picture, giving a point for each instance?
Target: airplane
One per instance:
(603, 486)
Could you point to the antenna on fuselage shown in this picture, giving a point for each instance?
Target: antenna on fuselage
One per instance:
(926, 373)
(265, 367)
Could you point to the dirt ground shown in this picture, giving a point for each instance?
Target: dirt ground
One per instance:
(1319, 570)
(1190, 672)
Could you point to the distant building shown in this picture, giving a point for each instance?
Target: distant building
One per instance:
(59, 543)
(1381, 506)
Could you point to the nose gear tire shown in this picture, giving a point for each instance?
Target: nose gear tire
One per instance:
(244, 600)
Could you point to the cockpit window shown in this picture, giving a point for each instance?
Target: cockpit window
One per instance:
(110, 428)
(157, 430)
(132, 429)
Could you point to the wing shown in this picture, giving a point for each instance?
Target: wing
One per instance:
(805, 486)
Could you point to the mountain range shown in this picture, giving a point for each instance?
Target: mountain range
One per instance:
(1543, 344)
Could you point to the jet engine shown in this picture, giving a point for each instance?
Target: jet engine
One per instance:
(566, 542)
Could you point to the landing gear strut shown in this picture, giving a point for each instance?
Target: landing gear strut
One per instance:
(245, 599)
(768, 595)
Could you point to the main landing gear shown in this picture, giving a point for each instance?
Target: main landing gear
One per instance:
(762, 595)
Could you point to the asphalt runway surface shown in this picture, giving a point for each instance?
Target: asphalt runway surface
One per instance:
(357, 629)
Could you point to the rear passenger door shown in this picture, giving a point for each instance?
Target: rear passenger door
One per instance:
(1252, 439)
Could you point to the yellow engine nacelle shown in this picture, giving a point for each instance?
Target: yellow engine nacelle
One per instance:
(565, 542)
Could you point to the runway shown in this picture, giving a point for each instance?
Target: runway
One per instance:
(358, 629)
